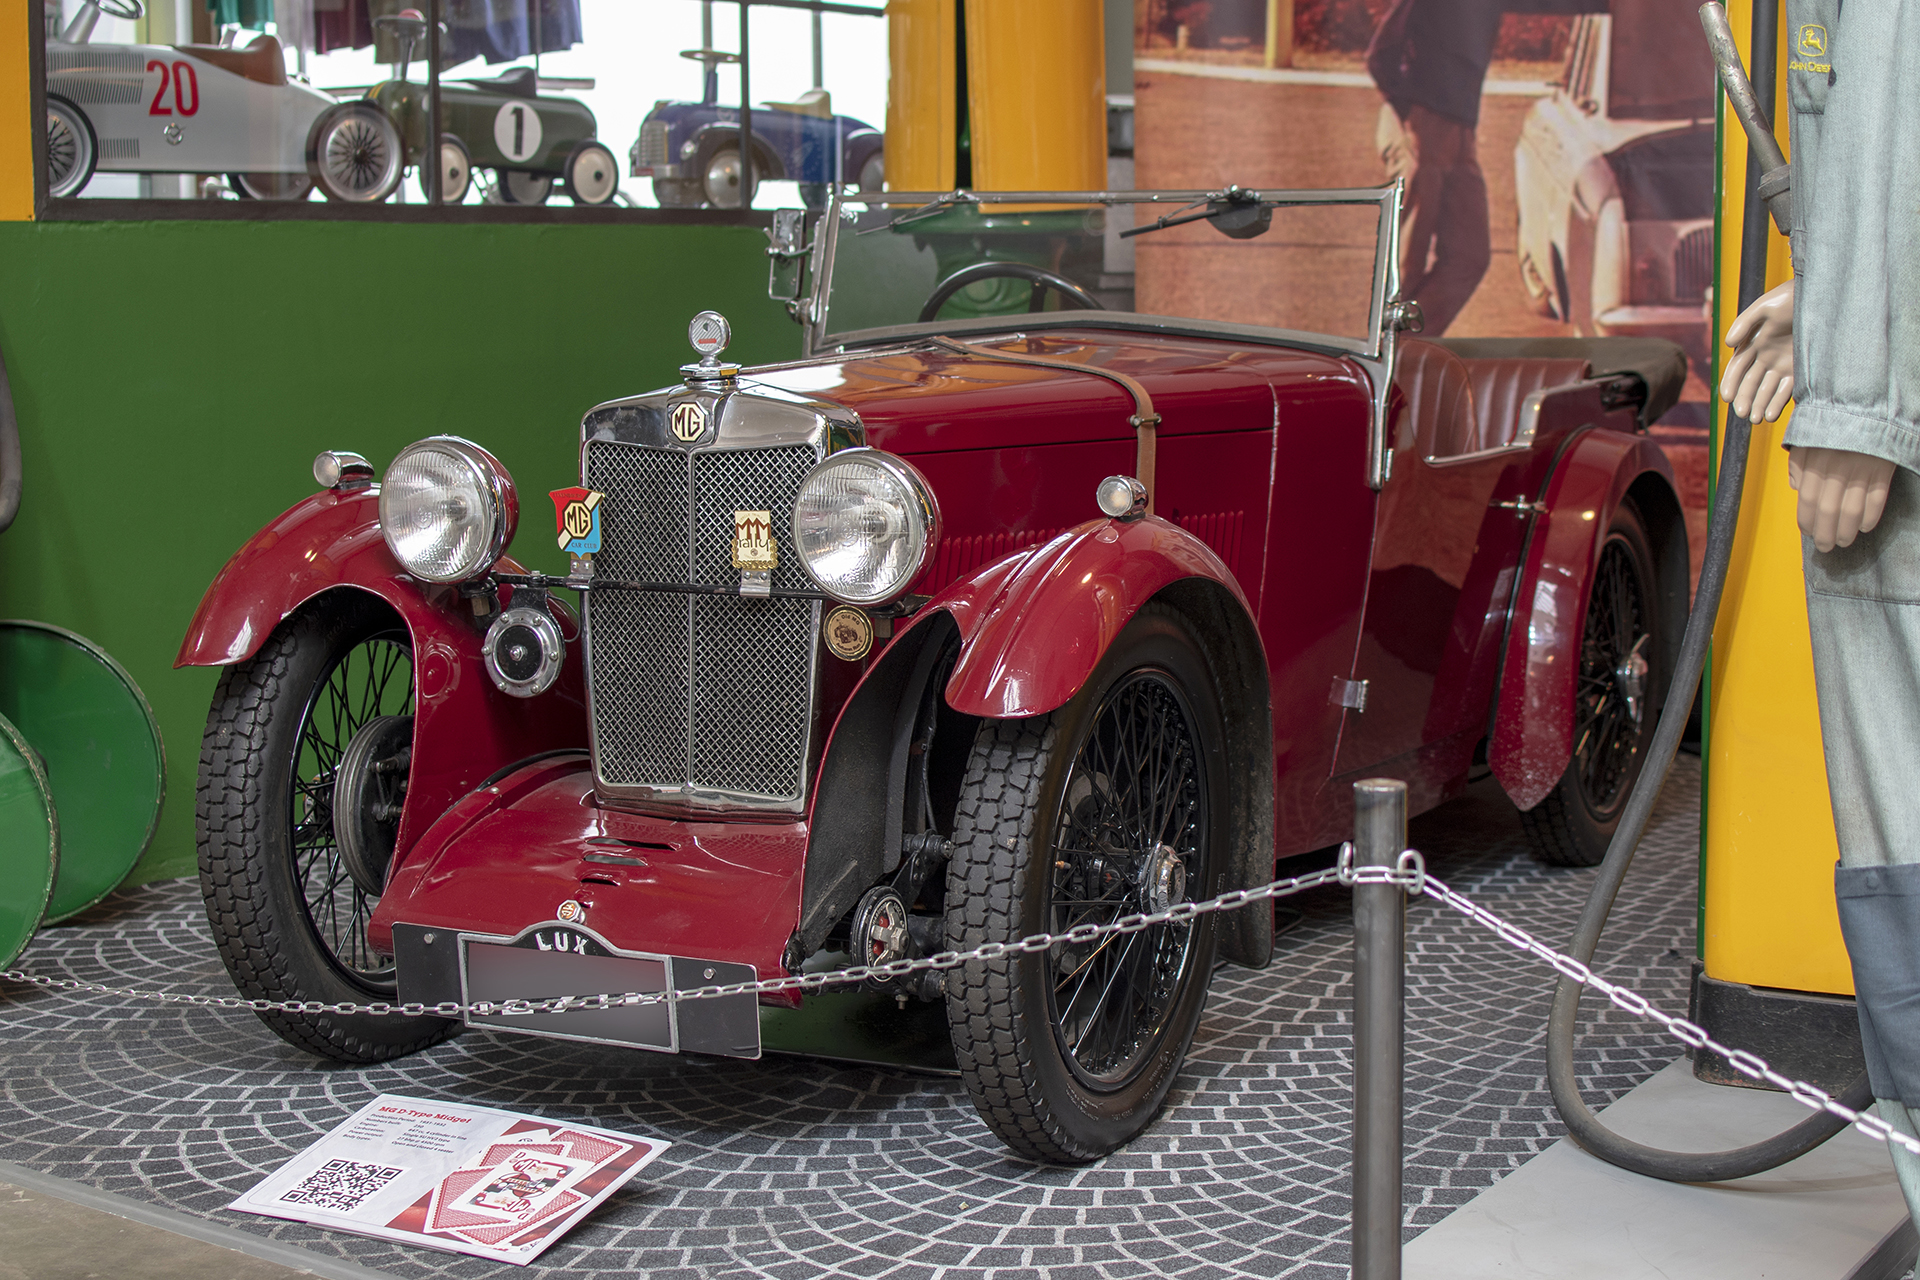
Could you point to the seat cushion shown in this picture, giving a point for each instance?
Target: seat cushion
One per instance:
(1501, 387)
(1439, 418)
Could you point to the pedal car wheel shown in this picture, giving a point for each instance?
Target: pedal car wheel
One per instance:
(456, 171)
(676, 193)
(517, 186)
(72, 150)
(720, 179)
(354, 153)
(1110, 806)
(873, 173)
(1615, 705)
(592, 174)
(287, 914)
(271, 186)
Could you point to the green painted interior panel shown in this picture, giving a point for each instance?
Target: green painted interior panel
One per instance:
(174, 379)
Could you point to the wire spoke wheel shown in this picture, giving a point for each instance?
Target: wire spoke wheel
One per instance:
(372, 679)
(1615, 702)
(354, 153)
(1131, 827)
(288, 911)
(1111, 806)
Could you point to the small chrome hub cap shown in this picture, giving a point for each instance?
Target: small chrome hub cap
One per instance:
(1631, 675)
(1165, 881)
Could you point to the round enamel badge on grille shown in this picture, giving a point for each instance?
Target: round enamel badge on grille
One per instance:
(849, 633)
(570, 912)
(688, 420)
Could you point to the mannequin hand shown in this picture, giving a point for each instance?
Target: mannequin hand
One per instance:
(1759, 378)
(1842, 493)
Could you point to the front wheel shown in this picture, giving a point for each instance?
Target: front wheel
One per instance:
(592, 175)
(354, 153)
(721, 176)
(1111, 806)
(288, 905)
(1615, 707)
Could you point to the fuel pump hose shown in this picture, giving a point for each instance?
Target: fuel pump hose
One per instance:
(1582, 1124)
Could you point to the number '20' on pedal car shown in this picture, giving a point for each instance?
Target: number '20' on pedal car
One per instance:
(1034, 596)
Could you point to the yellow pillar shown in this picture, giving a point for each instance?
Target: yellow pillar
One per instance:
(1037, 94)
(16, 109)
(923, 98)
(1279, 33)
(1767, 901)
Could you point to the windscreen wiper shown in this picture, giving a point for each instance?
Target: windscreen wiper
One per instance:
(958, 196)
(1235, 212)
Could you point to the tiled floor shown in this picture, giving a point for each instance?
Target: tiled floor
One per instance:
(792, 1167)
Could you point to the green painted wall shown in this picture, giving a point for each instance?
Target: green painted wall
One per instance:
(174, 379)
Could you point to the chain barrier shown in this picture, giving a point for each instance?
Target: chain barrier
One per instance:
(1409, 873)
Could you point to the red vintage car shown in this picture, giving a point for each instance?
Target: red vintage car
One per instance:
(1097, 546)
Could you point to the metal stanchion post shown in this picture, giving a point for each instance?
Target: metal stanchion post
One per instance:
(1379, 988)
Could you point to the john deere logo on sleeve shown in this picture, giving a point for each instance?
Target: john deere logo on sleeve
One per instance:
(577, 511)
(753, 544)
(689, 420)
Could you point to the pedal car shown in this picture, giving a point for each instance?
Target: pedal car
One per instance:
(190, 108)
(691, 150)
(1001, 612)
(501, 123)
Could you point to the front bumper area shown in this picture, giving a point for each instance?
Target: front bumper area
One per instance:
(500, 865)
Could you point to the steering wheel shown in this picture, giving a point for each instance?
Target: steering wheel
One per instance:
(1042, 279)
(129, 10)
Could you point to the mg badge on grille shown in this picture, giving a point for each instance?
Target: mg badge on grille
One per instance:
(689, 421)
(849, 633)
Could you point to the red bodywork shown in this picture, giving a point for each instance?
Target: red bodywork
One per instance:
(1262, 467)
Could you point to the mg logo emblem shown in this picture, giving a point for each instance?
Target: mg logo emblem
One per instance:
(689, 421)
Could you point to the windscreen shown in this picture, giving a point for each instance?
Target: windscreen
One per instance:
(1304, 269)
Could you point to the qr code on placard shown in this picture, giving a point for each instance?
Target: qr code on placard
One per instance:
(340, 1185)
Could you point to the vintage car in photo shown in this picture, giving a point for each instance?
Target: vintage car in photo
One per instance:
(691, 150)
(191, 108)
(1614, 179)
(997, 613)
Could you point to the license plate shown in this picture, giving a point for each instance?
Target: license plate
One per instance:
(567, 960)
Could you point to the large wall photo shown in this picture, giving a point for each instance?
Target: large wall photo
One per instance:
(1558, 153)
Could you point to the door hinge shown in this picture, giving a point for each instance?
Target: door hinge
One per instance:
(1349, 693)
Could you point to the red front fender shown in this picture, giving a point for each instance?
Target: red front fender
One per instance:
(1532, 739)
(464, 727)
(1031, 636)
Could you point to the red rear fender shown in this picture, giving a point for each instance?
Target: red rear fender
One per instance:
(464, 728)
(1532, 739)
(1033, 630)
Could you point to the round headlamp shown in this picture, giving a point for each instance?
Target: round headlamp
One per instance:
(448, 509)
(865, 522)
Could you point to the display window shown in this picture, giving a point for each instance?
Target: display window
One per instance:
(531, 104)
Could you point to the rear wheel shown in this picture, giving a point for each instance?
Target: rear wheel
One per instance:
(1614, 709)
(517, 186)
(72, 150)
(288, 904)
(456, 172)
(354, 153)
(592, 175)
(1110, 806)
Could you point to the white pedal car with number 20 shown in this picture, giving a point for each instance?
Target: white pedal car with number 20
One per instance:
(148, 108)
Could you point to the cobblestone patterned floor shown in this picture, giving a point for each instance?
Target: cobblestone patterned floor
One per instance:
(796, 1168)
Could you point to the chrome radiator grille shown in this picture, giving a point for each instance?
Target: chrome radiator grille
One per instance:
(711, 693)
(652, 148)
(1693, 265)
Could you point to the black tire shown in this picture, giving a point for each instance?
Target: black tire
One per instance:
(354, 153)
(288, 919)
(1573, 825)
(72, 148)
(521, 186)
(1025, 862)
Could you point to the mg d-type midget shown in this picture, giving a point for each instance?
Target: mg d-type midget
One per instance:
(1038, 594)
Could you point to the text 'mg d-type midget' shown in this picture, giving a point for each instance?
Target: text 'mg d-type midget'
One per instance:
(1096, 546)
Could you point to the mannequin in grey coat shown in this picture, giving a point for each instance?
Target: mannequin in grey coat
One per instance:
(1842, 339)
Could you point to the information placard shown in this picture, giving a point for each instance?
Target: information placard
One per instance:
(450, 1176)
